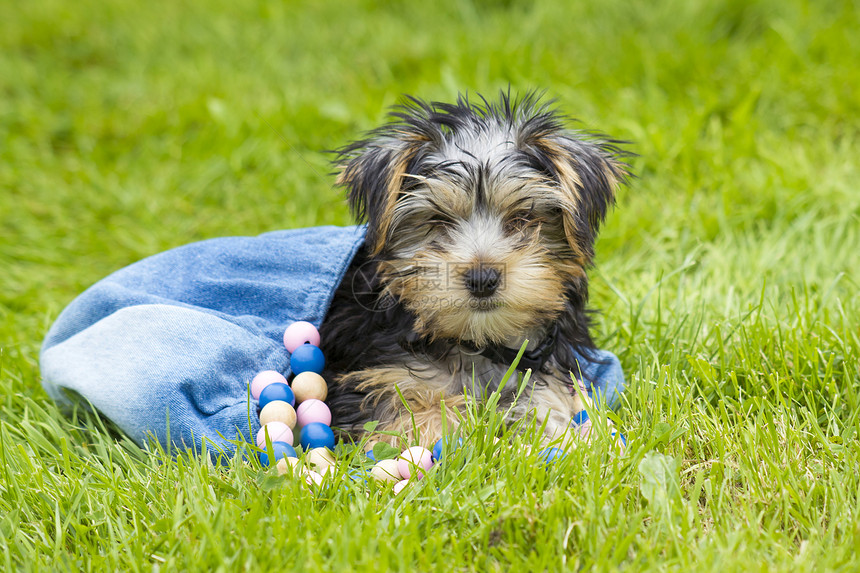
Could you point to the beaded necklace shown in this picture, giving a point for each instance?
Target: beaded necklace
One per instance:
(279, 417)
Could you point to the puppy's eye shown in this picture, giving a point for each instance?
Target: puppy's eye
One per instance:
(518, 221)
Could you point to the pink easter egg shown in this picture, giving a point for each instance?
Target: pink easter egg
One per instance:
(313, 411)
(263, 379)
(398, 487)
(278, 432)
(414, 458)
(298, 333)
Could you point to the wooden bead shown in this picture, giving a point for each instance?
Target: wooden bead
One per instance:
(322, 460)
(287, 465)
(278, 411)
(386, 471)
(309, 385)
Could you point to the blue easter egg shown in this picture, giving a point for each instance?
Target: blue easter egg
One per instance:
(277, 391)
(443, 444)
(317, 435)
(280, 450)
(307, 358)
(580, 418)
(549, 455)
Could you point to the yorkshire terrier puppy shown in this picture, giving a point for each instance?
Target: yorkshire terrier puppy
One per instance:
(481, 223)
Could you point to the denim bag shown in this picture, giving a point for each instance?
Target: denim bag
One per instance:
(166, 347)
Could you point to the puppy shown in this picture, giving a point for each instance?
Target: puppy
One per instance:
(481, 222)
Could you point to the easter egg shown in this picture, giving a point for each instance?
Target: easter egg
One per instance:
(307, 358)
(311, 411)
(317, 435)
(277, 391)
(299, 333)
(309, 385)
(277, 431)
(386, 470)
(278, 411)
(263, 379)
(413, 460)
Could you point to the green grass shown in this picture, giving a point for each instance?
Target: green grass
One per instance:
(728, 275)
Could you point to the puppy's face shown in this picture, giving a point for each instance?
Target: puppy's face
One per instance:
(482, 217)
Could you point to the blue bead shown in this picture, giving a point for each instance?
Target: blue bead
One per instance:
(277, 391)
(549, 455)
(280, 450)
(580, 418)
(317, 435)
(620, 436)
(307, 358)
(442, 444)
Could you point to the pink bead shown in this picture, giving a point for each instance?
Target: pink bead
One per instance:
(278, 432)
(585, 429)
(398, 487)
(298, 333)
(416, 456)
(313, 411)
(313, 478)
(263, 379)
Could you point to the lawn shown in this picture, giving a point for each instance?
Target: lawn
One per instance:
(727, 275)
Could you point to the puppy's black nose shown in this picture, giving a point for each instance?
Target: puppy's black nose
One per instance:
(482, 281)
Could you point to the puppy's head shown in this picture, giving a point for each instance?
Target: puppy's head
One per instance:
(482, 216)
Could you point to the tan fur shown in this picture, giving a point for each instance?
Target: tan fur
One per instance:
(398, 170)
(412, 399)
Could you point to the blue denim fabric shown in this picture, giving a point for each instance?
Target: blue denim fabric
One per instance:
(167, 346)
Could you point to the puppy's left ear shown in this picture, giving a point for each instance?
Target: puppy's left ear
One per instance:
(372, 172)
(588, 172)
(375, 170)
